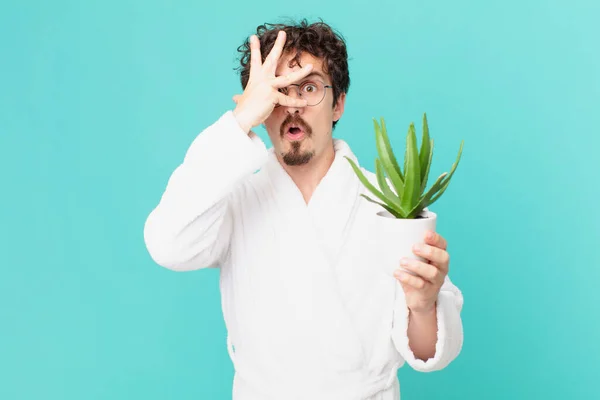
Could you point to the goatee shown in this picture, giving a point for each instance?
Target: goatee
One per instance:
(296, 156)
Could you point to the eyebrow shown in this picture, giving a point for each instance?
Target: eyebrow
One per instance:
(317, 73)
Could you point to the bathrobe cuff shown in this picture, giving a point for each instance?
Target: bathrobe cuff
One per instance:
(449, 334)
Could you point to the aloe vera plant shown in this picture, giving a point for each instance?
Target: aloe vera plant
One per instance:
(406, 197)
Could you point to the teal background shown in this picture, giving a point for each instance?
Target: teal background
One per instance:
(100, 100)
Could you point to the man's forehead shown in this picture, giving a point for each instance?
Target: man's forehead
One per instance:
(287, 60)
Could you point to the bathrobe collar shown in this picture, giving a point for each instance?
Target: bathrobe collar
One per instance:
(332, 207)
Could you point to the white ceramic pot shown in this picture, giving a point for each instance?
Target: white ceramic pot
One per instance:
(396, 237)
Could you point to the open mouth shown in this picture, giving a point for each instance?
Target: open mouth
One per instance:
(294, 133)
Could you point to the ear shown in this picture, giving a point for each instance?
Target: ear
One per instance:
(338, 110)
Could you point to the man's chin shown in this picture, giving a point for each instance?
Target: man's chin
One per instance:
(295, 154)
(295, 159)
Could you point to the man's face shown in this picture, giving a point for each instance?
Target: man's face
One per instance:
(313, 138)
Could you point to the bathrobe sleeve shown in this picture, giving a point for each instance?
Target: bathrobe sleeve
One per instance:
(191, 226)
(450, 329)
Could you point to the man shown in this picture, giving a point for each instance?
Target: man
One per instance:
(308, 314)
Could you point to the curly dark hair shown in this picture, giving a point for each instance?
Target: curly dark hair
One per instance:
(317, 39)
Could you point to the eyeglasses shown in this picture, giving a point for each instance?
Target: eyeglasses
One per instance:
(313, 91)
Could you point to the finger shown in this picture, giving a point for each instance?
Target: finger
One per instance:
(285, 80)
(435, 239)
(288, 101)
(407, 279)
(438, 257)
(426, 271)
(277, 49)
(255, 56)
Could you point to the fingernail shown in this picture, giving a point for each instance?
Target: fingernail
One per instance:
(403, 261)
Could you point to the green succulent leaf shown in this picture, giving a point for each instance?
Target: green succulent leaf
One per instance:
(383, 185)
(372, 188)
(415, 211)
(426, 153)
(389, 209)
(388, 160)
(446, 182)
(425, 173)
(412, 174)
(405, 161)
(440, 192)
(424, 200)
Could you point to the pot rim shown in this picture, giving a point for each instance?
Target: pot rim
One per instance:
(427, 215)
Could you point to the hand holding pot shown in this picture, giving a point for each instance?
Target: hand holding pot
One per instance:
(421, 290)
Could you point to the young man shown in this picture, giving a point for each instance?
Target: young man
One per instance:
(308, 314)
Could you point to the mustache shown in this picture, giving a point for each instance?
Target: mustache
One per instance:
(296, 120)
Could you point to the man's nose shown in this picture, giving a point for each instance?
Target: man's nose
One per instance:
(294, 110)
(293, 92)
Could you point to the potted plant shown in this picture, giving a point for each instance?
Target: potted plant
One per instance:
(404, 216)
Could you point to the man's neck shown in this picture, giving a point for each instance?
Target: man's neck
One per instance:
(307, 177)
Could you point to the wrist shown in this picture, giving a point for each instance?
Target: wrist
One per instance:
(426, 311)
(241, 120)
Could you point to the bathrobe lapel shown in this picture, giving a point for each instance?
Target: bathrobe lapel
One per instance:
(311, 239)
(331, 209)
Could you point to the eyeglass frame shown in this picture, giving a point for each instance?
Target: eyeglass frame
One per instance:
(298, 90)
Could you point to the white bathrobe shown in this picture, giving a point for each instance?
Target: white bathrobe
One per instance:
(309, 314)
